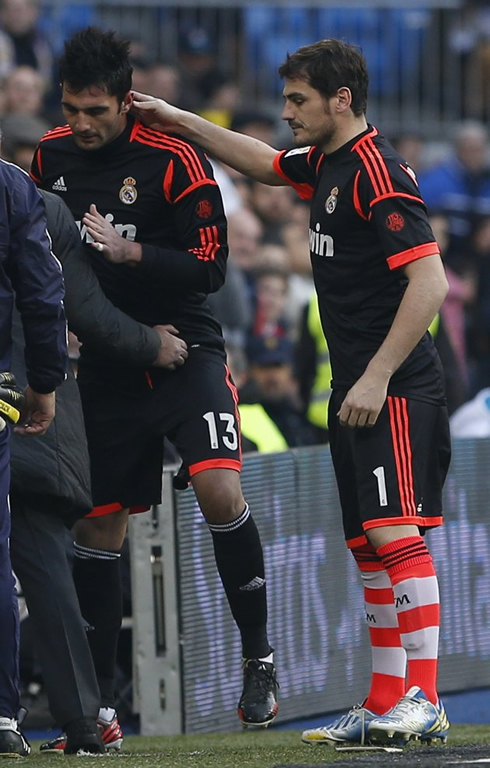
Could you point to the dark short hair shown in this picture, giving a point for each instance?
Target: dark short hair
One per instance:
(329, 65)
(93, 57)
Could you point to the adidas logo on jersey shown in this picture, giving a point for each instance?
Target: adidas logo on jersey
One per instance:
(60, 186)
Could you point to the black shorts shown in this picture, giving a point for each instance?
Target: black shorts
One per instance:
(128, 412)
(392, 473)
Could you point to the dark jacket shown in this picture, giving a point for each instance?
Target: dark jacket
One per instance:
(28, 269)
(54, 470)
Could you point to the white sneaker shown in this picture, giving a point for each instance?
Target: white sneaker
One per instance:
(351, 728)
(414, 717)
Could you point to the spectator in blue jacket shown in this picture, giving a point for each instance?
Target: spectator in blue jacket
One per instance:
(31, 276)
(459, 188)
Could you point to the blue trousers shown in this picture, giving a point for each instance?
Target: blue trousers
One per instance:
(9, 610)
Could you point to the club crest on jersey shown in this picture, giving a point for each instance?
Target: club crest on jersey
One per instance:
(128, 193)
(395, 222)
(331, 201)
(204, 209)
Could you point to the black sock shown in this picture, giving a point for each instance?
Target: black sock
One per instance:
(240, 562)
(97, 577)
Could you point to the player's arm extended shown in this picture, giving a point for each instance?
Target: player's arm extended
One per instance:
(244, 153)
(426, 290)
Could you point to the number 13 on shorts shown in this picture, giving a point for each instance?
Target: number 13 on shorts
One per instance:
(224, 423)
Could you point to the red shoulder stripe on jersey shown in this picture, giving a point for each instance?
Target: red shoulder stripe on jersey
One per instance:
(374, 180)
(56, 133)
(372, 133)
(357, 202)
(412, 254)
(375, 164)
(167, 181)
(395, 194)
(375, 167)
(400, 433)
(305, 191)
(134, 131)
(162, 141)
(186, 152)
(195, 186)
(184, 149)
(191, 170)
(380, 163)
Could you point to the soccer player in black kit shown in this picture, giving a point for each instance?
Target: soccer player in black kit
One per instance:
(380, 282)
(152, 216)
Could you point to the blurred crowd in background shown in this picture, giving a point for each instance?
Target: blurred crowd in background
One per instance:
(267, 307)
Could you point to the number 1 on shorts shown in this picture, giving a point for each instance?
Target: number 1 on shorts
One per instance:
(379, 473)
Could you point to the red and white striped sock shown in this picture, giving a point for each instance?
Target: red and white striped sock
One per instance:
(411, 570)
(389, 660)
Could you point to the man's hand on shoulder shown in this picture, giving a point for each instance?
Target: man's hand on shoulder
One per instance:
(115, 248)
(173, 350)
(155, 113)
(38, 413)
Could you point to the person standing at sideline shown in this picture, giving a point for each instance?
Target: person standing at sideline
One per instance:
(50, 489)
(152, 216)
(31, 276)
(380, 282)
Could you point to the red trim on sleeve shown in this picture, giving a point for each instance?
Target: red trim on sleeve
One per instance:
(201, 466)
(304, 191)
(210, 244)
(194, 186)
(412, 254)
(395, 194)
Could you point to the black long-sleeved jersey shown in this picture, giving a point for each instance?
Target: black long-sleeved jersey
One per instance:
(158, 190)
(89, 312)
(367, 220)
